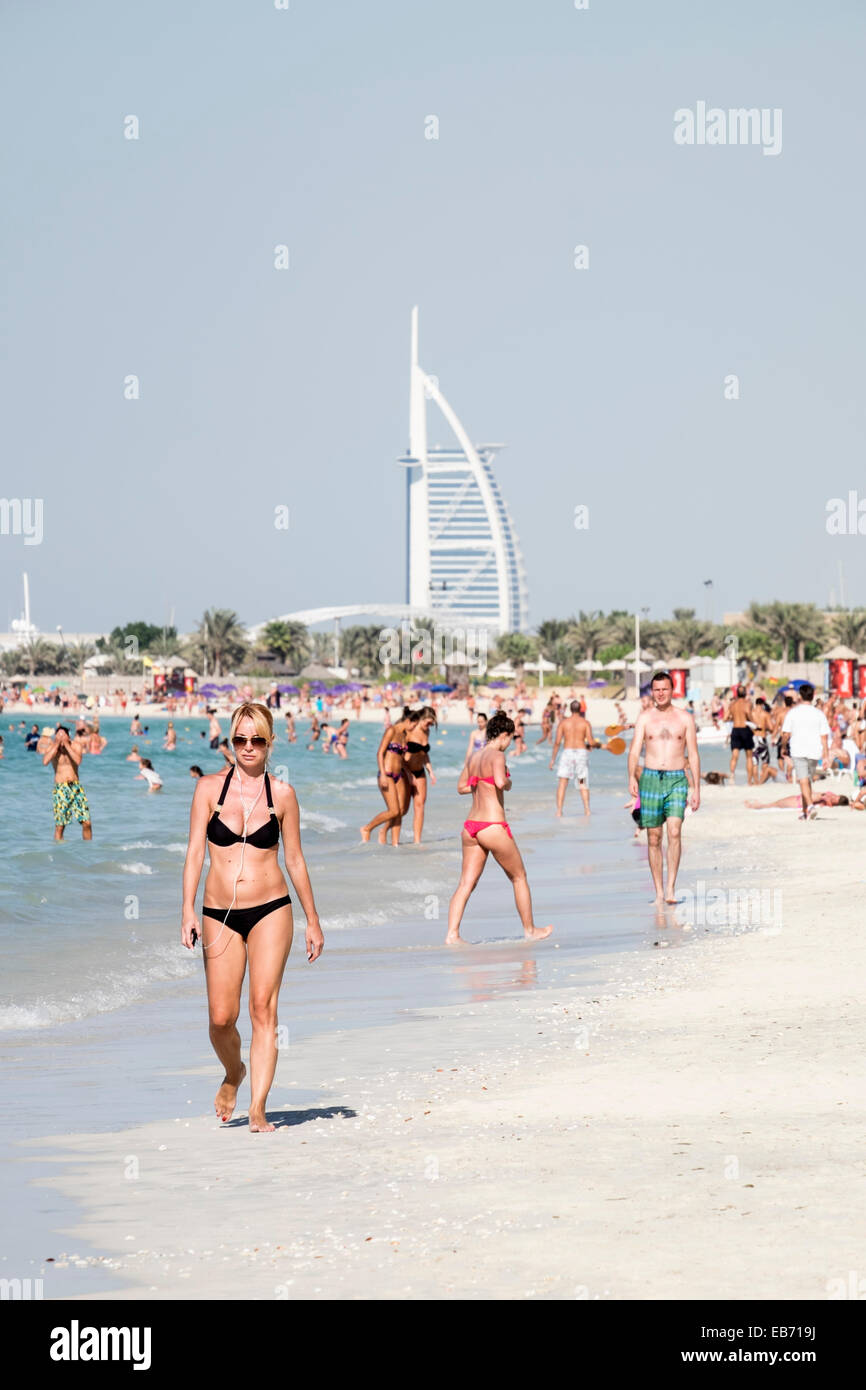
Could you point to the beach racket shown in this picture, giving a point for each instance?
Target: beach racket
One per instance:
(616, 745)
(613, 729)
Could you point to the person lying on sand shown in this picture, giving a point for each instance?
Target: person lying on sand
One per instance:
(825, 799)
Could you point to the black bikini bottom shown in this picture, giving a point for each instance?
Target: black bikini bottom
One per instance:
(243, 919)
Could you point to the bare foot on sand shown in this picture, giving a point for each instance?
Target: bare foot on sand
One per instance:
(227, 1096)
(455, 941)
(365, 835)
(259, 1123)
(537, 933)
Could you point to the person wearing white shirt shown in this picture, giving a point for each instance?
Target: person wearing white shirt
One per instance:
(805, 735)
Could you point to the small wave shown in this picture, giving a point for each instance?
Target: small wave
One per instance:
(343, 922)
(138, 844)
(137, 868)
(115, 992)
(317, 820)
(178, 848)
(418, 885)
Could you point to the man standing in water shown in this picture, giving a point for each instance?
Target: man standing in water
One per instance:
(669, 735)
(575, 734)
(69, 797)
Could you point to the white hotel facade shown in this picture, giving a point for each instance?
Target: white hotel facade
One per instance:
(462, 553)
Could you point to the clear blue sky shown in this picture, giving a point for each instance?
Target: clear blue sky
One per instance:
(259, 387)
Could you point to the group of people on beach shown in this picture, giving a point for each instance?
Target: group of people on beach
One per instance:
(241, 816)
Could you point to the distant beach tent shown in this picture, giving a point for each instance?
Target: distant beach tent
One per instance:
(617, 665)
(588, 665)
(317, 673)
(504, 671)
(98, 659)
(838, 654)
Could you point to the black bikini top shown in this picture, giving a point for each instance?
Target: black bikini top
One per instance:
(266, 837)
(416, 747)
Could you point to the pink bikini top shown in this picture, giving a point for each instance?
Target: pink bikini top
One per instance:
(473, 781)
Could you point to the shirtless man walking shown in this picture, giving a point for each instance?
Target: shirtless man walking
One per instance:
(742, 740)
(575, 734)
(69, 798)
(214, 729)
(669, 734)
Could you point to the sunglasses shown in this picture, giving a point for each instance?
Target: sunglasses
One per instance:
(257, 741)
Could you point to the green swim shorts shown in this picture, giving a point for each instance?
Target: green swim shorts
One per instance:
(69, 801)
(663, 796)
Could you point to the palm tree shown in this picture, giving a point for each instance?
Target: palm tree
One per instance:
(849, 628)
(790, 624)
(552, 641)
(587, 632)
(39, 655)
(619, 628)
(360, 646)
(515, 647)
(289, 641)
(220, 639)
(758, 648)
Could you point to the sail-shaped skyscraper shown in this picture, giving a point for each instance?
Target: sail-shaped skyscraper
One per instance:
(462, 551)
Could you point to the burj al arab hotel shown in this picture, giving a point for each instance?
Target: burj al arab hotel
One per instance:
(462, 553)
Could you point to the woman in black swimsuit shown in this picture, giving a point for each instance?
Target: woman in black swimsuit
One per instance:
(247, 912)
(393, 780)
(418, 765)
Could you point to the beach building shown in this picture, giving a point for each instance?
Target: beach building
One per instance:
(462, 551)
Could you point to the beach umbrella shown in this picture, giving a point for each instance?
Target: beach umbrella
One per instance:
(442, 687)
(497, 685)
(288, 689)
(593, 684)
(630, 656)
(588, 665)
(541, 665)
(618, 665)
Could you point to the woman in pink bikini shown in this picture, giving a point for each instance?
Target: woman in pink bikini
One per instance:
(488, 832)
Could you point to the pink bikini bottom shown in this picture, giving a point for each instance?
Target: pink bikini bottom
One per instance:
(472, 827)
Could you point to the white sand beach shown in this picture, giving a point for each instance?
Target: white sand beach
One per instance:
(689, 1129)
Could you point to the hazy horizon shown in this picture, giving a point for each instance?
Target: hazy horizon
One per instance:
(262, 388)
